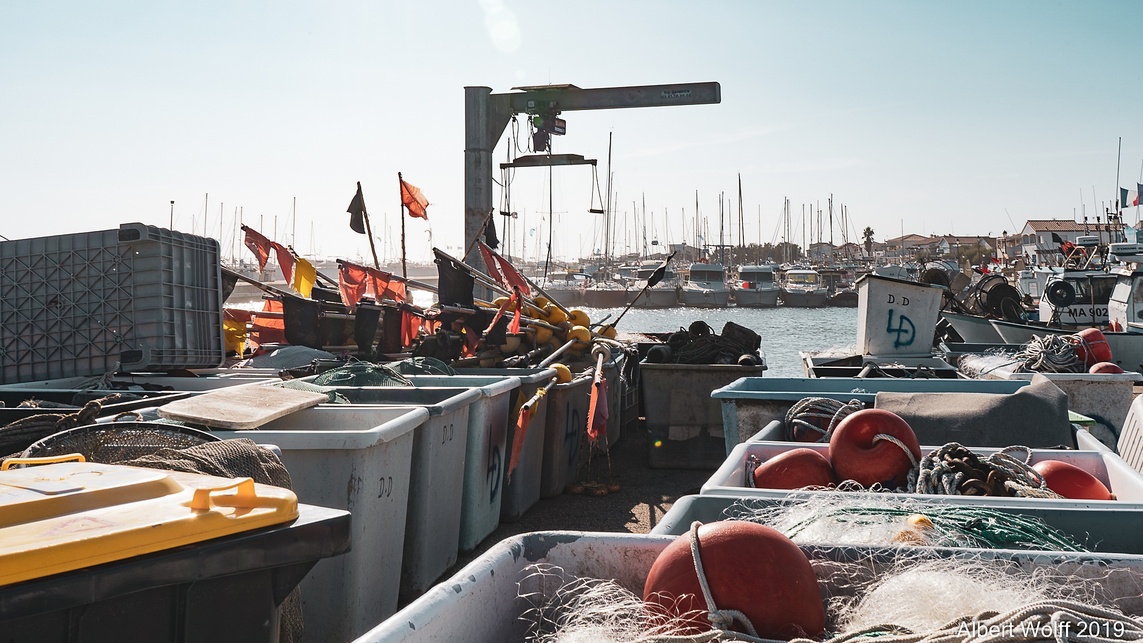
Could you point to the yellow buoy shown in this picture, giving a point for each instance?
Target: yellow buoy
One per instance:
(563, 373)
(555, 315)
(579, 333)
(579, 318)
(608, 331)
(543, 334)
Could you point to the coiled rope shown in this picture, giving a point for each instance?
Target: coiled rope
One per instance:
(955, 470)
(1049, 354)
(817, 415)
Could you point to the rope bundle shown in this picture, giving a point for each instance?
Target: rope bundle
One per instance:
(1049, 353)
(954, 470)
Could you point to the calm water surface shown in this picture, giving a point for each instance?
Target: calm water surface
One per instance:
(785, 331)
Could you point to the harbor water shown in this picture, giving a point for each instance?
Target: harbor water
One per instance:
(785, 332)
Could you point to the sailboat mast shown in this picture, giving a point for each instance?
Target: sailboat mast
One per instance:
(607, 209)
(831, 253)
(741, 225)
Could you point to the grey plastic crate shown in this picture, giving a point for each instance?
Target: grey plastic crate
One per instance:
(137, 298)
(685, 424)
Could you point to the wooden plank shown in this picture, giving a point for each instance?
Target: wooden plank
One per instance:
(240, 407)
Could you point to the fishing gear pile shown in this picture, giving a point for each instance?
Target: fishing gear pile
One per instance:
(698, 344)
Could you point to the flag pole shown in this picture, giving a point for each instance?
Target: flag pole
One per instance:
(400, 191)
(368, 230)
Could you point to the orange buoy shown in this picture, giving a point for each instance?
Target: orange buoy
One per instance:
(858, 454)
(1105, 367)
(1071, 481)
(1092, 347)
(749, 567)
(795, 469)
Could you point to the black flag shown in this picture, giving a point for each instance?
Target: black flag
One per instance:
(490, 238)
(454, 284)
(356, 211)
(1056, 239)
(657, 276)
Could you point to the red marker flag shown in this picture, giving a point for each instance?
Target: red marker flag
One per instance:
(415, 201)
(259, 245)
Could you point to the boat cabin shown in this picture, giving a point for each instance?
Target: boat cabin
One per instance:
(756, 277)
(803, 279)
(707, 273)
(1077, 297)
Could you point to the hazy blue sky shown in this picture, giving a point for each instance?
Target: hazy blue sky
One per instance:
(960, 117)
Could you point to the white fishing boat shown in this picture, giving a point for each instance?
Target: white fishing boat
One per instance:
(566, 287)
(706, 286)
(664, 294)
(756, 287)
(1077, 298)
(606, 294)
(803, 287)
(973, 329)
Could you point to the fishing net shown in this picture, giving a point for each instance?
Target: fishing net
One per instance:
(423, 366)
(362, 374)
(19, 435)
(897, 595)
(117, 441)
(890, 520)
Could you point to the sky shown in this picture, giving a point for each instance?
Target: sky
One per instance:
(966, 118)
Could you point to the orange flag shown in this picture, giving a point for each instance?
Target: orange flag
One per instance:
(597, 412)
(415, 201)
(352, 284)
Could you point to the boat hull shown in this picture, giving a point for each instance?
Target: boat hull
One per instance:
(567, 296)
(973, 329)
(756, 298)
(605, 298)
(658, 298)
(803, 298)
(704, 298)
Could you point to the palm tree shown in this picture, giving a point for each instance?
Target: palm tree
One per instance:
(867, 234)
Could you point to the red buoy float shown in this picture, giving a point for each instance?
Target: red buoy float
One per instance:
(1071, 481)
(1092, 347)
(749, 567)
(858, 454)
(1105, 367)
(795, 469)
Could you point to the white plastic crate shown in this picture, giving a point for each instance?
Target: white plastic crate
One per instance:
(358, 459)
(482, 602)
(1110, 469)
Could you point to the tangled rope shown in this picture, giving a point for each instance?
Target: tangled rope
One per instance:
(954, 470)
(1049, 354)
(817, 415)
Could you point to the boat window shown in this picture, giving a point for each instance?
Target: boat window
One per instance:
(1096, 288)
(802, 278)
(1122, 292)
(706, 275)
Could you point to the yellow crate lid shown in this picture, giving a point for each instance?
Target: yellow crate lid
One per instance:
(69, 515)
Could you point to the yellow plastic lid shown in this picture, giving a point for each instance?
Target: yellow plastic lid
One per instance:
(61, 517)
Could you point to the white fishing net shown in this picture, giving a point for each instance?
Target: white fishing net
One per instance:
(884, 595)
